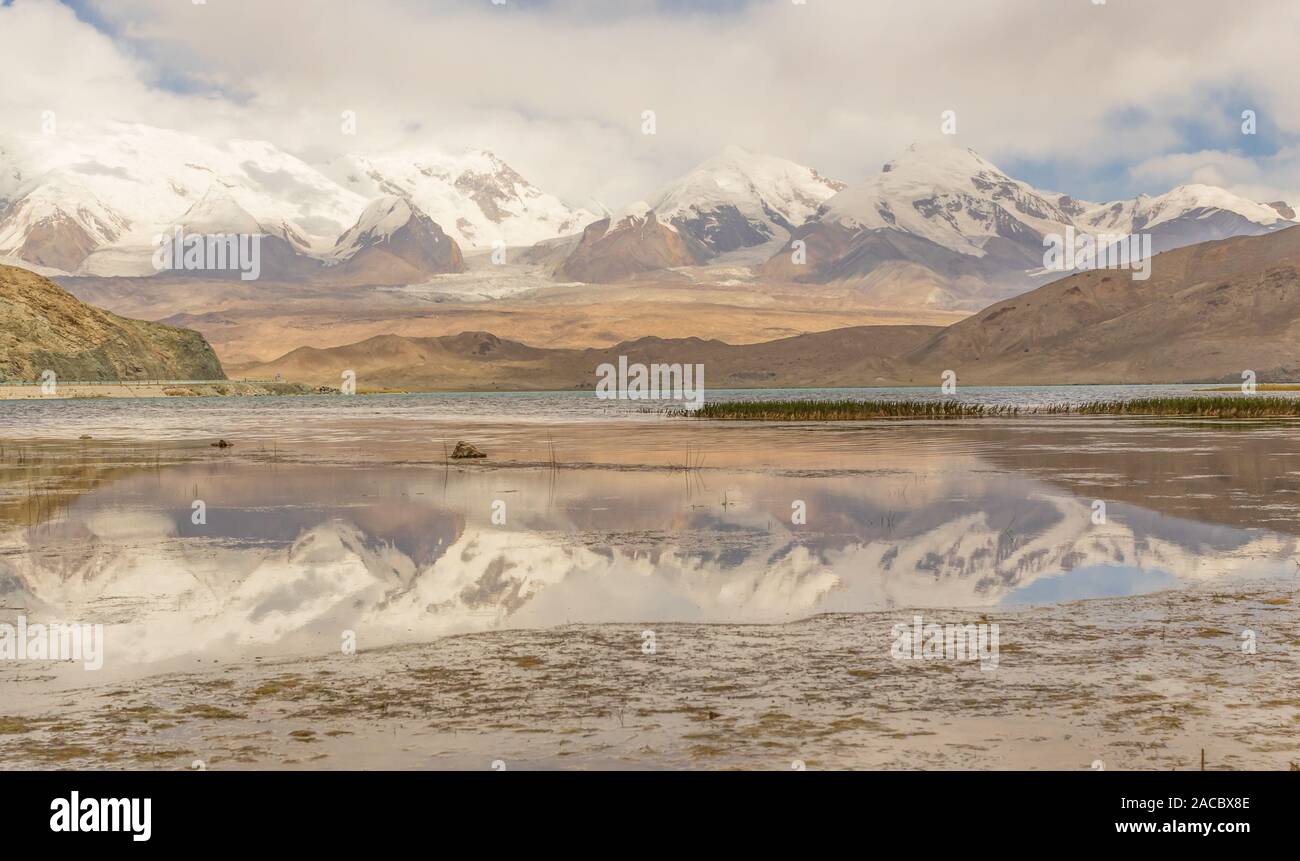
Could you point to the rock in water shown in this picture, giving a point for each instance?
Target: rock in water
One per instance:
(221, 443)
(464, 449)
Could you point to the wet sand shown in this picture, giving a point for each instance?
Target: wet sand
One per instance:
(1135, 683)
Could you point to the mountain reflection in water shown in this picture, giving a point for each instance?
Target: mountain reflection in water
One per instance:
(293, 554)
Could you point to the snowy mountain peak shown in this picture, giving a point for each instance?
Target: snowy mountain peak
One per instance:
(217, 211)
(119, 185)
(1191, 197)
(380, 220)
(1193, 202)
(739, 199)
(951, 196)
(632, 215)
(393, 242)
(57, 222)
(474, 195)
(942, 161)
(949, 210)
(63, 194)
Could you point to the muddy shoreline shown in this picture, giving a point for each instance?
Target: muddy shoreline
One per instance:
(1132, 683)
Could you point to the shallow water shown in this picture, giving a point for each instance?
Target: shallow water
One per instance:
(499, 607)
(191, 418)
(350, 524)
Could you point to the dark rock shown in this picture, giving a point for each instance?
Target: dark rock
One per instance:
(464, 449)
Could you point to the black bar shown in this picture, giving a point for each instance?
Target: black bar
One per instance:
(687, 810)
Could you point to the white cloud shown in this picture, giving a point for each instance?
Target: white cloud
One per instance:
(1269, 178)
(558, 91)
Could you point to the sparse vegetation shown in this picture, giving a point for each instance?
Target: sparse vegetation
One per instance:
(1229, 407)
(1217, 406)
(846, 410)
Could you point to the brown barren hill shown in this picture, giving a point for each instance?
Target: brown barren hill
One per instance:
(478, 360)
(1207, 313)
(43, 327)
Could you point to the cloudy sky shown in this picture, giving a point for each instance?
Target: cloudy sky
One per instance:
(1099, 100)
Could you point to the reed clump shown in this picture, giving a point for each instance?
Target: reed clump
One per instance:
(1220, 407)
(1223, 407)
(847, 410)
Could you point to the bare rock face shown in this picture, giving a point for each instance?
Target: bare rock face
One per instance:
(58, 242)
(464, 449)
(45, 328)
(636, 245)
(1284, 209)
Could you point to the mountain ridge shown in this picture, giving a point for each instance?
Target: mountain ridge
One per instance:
(948, 210)
(92, 201)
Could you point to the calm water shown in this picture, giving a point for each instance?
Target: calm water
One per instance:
(178, 418)
(357, 523)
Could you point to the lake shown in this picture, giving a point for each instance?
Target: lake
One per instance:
(340, 519)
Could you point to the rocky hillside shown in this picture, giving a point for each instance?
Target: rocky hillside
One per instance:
(1207, 313)
(43, 327)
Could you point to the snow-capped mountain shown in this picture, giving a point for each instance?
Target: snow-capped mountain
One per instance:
(393, 242)
(1185, 215)
(219, 212)
(283, 252)
(733, 201)
(941, 212)
(476, 197)
(949, 196)
(628, 244)
(96, 200)
(739, 199)
(128, 184)
(58, 223)
(938, 226)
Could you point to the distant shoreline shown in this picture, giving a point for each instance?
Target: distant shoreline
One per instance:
(152, 389)
(260, 388)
